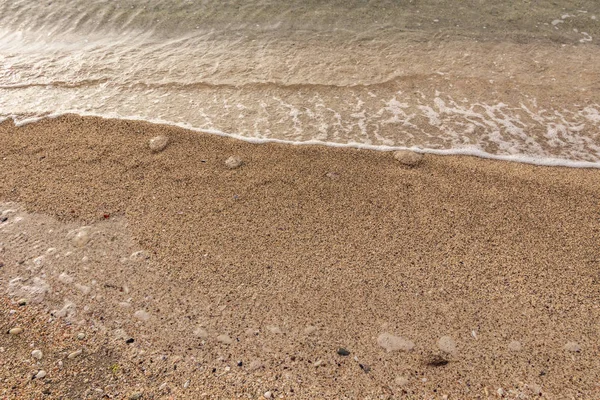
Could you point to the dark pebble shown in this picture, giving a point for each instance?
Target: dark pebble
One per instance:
(364, 367)
(437, 361)
(343, 352)
(130, 340)
(240, 363)
(3, 219)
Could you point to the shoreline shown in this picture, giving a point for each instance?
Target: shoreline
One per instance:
(299, 252)
(518, 158)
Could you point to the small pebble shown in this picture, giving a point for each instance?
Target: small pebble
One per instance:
(343, 352)
(186, 384)
(41, 374)
(515, 346)
(15, 331)
(408, 158)
(135, 396)
(447, 344)
(81, 336)
(37, 354)
(224, 339)
(141, 315)
(233, 162)
(394, 343)
(268, 395)
(22, 302)
(572, 346)
(401, 381)
(74, 354)
(158, 143)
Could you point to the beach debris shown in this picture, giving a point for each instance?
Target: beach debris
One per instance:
(37, 354)
(447, 344)
(41, 374)
(75, 354)
(225, 339)
(158, 143)
(573, 346)
(394, 343)
(343, 352)
(515, 346)
(141, 315)
(408, 158)
(15, 331)
(233, 162)
(22, 302)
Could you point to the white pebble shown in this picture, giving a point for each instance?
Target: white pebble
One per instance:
(274, 329)
(186, 384)
(268, 395)
(401, 381)
(394, 343)
(41, 374)
(447, 344)
(15, 331)
(158, 143)
(141, 315)
(233, 162)
(572, 346)
(224, 339)
(408, 158)
(37, 354)
(81, 336)
(515, 346)
(201, 333)
(74, 354)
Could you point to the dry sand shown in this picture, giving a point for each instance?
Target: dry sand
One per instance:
(459, 277)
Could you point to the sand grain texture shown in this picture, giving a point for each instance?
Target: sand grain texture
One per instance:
(480, 251)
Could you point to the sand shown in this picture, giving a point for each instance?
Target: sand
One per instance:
(257, 281)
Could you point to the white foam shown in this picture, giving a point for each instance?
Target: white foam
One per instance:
(464, 150)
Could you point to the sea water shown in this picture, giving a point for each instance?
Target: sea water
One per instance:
(508, 80)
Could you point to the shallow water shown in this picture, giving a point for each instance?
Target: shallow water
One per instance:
(517, 81)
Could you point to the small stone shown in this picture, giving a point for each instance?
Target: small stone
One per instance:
(158, 143)
(365, 367)
(81, 336)
(81, 237)
(201, 333)
(37, 354)
(274, 330)
(141, 315)
(140, 255)
(22, 302)
(186, 384)
(447, 345)
(310, 330)
(318, 363)
(408, 158)
(41, 374)
(394, 343)
(254, 365)
(15, 331)
(500, 392)
(135, 396)
(233, 162)
(515, 346)
(268, 395)
(572, 346)
(401, 381)
(343, 352)
(130, 340)
(224, 339)
(75, 354)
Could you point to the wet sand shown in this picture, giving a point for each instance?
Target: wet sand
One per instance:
(254, 280)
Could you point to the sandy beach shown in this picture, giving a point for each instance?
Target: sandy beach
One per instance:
(304, 272)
